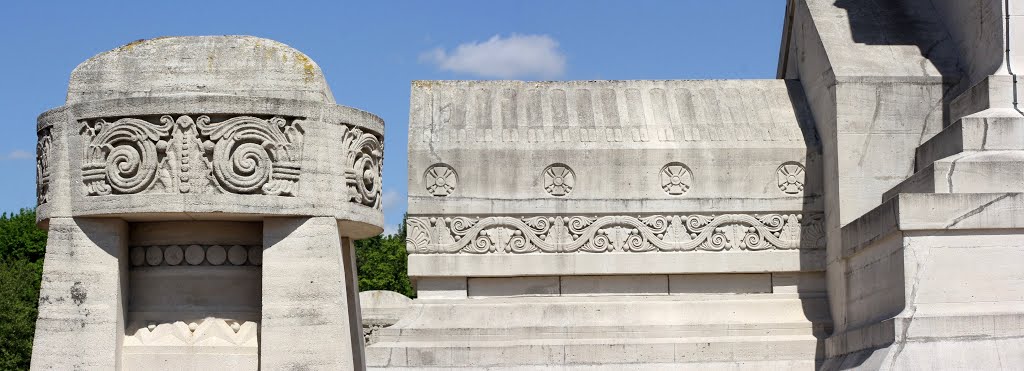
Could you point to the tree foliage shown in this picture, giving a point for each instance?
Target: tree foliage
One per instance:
(382, 263)
(19, 237)
(22, 246)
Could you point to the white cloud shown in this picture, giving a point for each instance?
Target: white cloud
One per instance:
(515, 56)
(390, 229)
(18, 155)
(389, 200)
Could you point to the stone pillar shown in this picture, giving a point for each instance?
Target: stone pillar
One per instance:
(305, 305)
(82, 298)
(194, 215)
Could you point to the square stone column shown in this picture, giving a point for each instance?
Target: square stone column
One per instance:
(82, 298)
(307, 320)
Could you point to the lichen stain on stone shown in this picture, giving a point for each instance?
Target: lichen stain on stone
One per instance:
(131, 45)
(425, 84)
(307, 66)
(78, 293)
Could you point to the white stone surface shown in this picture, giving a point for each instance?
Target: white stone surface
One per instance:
(83, 296)
(631, 331)
(383, 306)
(305, 320)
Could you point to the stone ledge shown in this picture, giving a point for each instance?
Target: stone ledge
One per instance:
(933, 211)
(539, 264)
(211, 104)
(924, 329)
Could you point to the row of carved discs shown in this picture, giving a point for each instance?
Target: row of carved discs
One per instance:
(196, 255)
(559, 179)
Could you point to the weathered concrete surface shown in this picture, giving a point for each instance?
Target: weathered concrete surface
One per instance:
(305, 321)
(874, 96)
(83, 296)
(917, 272)
(934, 274)
(380, 309)
(200, 65)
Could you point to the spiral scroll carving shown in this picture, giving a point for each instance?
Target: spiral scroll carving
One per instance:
(121, 156)
(364, 159)
(43, 154)
(252, 155)
(565, 234)
(242, 154)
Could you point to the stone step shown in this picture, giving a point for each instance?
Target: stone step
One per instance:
(992, 131)
(623, 333)
(632, 352)
(967, 172)
(570, 332)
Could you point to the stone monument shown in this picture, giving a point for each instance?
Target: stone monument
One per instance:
(863, 211)
(201, 196)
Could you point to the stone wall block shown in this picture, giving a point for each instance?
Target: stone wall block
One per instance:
(305, 320)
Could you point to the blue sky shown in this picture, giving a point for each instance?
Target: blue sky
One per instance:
(371, 50)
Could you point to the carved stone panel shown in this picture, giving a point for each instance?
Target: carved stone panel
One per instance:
(241, 154)
(440, 180)
(364, 160)
(559, 179)
(791, 178)
(676, 178)
(43, 158)
(572, 234)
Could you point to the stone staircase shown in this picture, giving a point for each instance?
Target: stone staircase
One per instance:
(982, 153)
(755, 331)
(934, 268)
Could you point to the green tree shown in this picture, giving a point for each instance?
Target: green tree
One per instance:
(19, 237)
(22, 247)
(382, 263)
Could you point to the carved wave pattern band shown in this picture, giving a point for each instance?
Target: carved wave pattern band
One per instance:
(204, 332)
(560, 234)
(241, 154)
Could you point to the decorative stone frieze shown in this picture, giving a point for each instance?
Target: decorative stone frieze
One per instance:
(241, 154)
(209, 331)
(596, 234)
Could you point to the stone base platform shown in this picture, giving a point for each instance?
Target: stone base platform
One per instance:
(698, 331)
